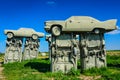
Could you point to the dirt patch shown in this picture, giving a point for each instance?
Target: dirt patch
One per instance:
(2, 77)
(112, 53)
(83, 77)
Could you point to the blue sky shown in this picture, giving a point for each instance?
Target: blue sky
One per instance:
(32, 14)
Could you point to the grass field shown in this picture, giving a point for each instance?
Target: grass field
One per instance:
(39, 69)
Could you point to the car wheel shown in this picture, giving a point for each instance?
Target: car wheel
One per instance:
(9, 35)
(56, 31)
(34, 36)
(96, 31)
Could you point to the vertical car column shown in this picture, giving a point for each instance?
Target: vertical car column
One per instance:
(93, 53)
(63, 52)
(13, 49)
(31, 48)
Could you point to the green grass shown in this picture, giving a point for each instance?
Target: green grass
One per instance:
(1, 57)
(39, 69)
(113, 61)
(26, 70)
(111, 72)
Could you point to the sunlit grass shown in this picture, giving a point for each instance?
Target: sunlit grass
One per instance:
(39, 69)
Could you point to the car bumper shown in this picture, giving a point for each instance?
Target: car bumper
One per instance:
(47, 28)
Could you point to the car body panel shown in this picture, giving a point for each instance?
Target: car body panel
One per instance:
(49, 24)
(24, 32)
(82, 24)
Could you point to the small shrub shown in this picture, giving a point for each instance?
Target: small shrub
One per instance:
(73, 72)
(58, 74)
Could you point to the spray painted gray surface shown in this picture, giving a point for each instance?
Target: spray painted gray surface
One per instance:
(13, 50)
(63, 52)
(14, 44)
(48, 38)
(64, 48)
(78, 24)
(23, 32)
(31, 48)
(93, 53)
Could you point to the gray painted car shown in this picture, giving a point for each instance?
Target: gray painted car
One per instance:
(23, 32)
(80, 24)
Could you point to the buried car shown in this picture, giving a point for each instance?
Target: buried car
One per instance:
(80, 24)
(23, 32)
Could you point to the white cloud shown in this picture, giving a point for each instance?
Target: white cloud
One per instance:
(51, 2)
(115, 31)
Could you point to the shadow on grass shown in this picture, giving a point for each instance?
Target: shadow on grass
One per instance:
(1, 62)
(40, 66)
(114, 65)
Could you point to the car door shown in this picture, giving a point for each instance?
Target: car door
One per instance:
(79, 24)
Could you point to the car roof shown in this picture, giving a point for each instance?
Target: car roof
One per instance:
(26, 29)
(82, 18)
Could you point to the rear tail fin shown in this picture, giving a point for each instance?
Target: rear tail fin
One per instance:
(111, 22)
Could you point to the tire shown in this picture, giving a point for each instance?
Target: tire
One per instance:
(10, 35)
(96, 31)
(56, 31)
(34, 36)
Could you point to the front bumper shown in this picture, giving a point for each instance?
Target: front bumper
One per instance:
(47, 28)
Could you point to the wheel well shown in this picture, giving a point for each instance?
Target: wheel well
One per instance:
(34, 34)
(10, 32)
(101, 29)
(56, 25)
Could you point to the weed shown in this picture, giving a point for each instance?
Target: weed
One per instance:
(39, 69)
(74, 72)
